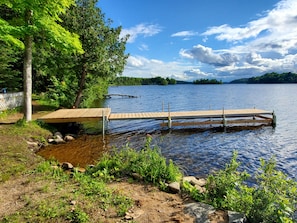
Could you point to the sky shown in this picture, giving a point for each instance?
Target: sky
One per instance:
(210, 39)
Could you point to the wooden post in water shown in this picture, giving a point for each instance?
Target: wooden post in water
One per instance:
(103, 124)
(169, 118)
(273, 120)
(224, 120)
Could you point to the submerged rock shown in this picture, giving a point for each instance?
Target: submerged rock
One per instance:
(67, 166)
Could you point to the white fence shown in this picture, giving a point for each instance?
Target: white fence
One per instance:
(11, 100)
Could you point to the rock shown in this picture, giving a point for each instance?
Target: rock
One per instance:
(235, 217)
(201, 211)
(201, 182)
(68, 138)
(194, 181)
(219, 216)
(79, 169)
(33, 144)
(205, 213)
(174, 187)
(50, 140)
(133, 214)
(72, 202)
(200, 189)
(136, 176)
(58, 135)
(59, 140)
(67, 166)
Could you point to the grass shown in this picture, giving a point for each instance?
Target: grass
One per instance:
(15, 157)
(66, 197)
(58, 196)
(148, 164)
(55, 195)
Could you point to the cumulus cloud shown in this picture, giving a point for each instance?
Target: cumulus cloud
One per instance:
(274, 31)
(207, 55)
(145, 30)
(138, 66)
(263, 45)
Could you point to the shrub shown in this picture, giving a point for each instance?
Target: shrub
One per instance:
(273, 199)
(148, 163)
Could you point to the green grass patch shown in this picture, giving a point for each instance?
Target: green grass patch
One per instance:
(4, 114)
(15, 157)
(148, 163)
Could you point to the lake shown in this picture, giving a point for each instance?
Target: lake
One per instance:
(200, 152)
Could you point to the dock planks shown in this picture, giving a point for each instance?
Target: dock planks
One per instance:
(189, 114)
(207, 117)
(76, 115)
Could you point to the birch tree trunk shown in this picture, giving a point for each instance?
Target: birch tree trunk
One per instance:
(28, 78)
(27, 70)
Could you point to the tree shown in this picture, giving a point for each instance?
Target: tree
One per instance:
(36, 17)
(104, 51)
(10, 75)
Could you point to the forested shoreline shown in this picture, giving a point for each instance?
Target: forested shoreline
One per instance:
(269, 78)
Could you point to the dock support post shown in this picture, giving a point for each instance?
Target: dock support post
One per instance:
(273, 120)
(103, 124)
(224, 120)
(169, 118)
(169, 123)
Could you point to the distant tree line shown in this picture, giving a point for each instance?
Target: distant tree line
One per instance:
(207, 81)
(125, 81)
(269, 78)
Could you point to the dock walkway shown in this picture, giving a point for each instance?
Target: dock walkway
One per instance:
(202, 117)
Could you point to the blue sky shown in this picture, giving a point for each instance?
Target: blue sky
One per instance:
(194, 39)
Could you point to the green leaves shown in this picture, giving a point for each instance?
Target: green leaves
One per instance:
(273, 199)
(44, 15)
(148, 163)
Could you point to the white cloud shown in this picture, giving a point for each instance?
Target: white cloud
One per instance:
(143, 47)
(207, 55)
(184, 34)
(145, 30)
(266, 44)
(274, 31)
(138, 66)
(263, 45)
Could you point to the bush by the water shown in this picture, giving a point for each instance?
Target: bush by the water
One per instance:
(273, 199)
(148, 163)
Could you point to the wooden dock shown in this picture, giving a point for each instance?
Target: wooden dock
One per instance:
(76, 115)
(197, 118)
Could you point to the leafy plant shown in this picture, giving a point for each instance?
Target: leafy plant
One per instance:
(78, 216)
(274, 199)
(225, 182)
(148, 163)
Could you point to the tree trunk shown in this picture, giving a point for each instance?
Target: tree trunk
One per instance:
(28, 78)
(27, 70)
(81, 87)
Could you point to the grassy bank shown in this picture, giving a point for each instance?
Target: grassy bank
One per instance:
(44, 192)
(35, 190)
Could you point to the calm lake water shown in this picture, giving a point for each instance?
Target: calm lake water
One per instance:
(199, 153)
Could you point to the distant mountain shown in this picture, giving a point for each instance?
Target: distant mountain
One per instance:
(269, 78)
(240, 81)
